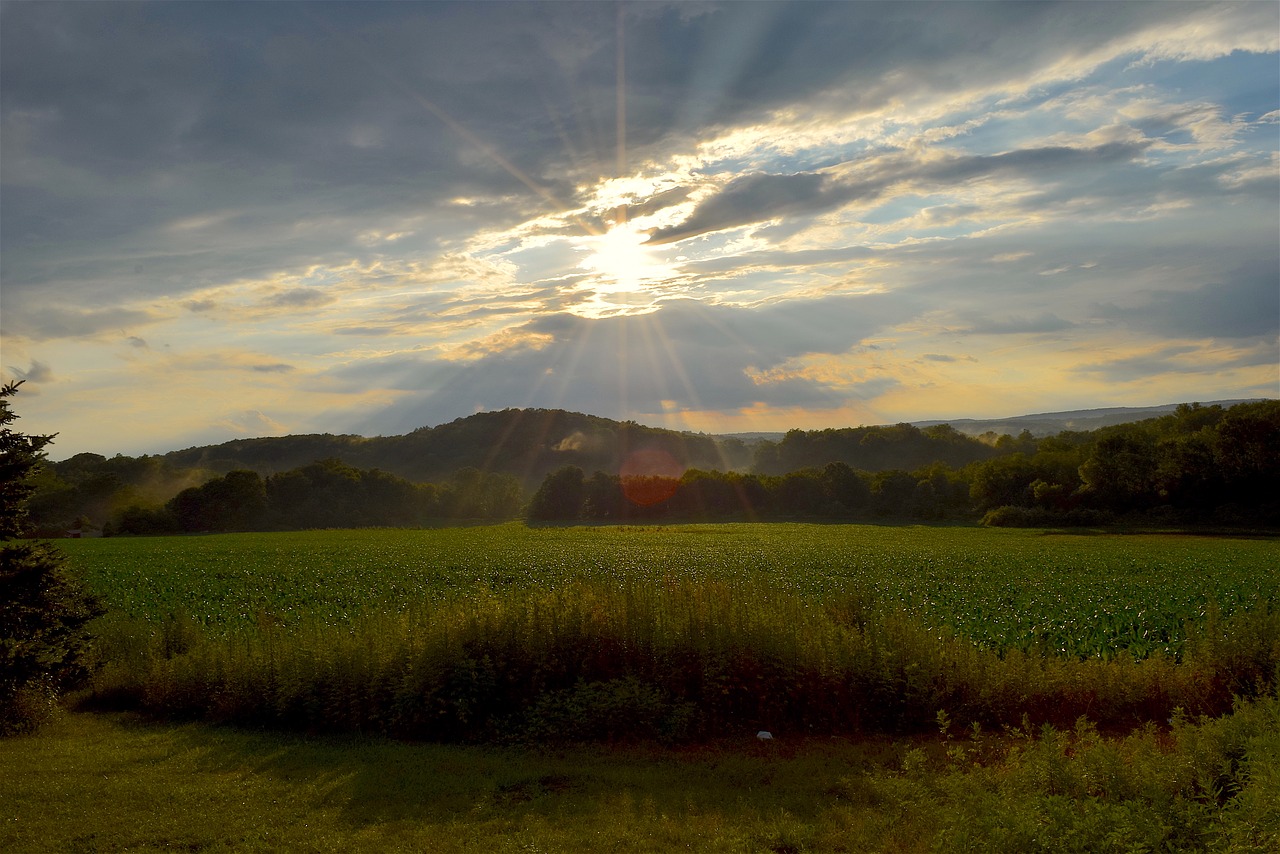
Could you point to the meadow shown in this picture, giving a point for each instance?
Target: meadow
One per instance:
(599, 688)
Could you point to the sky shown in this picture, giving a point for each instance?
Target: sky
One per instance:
(227, 220)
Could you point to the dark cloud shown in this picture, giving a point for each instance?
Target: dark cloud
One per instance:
(1180, 360)
(122, 118)
(686, 354)
(61, 322)
(299, 298)
(374, 331)
(1244, 305)
(39, 372)
(1016, 325)
(756, 198)
(657, 202)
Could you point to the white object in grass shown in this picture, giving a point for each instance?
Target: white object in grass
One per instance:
(764, 735)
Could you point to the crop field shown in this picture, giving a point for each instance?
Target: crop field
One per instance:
(1071, 594)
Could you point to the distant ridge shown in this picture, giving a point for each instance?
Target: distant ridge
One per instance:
(484, 461)
(530, 443)
(1082, 420)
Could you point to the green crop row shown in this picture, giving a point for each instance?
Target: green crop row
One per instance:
(1075, 595)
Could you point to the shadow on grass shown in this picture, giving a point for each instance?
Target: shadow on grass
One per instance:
(371, 780)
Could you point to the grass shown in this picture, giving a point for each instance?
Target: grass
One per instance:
(115, 783)
(111, 783)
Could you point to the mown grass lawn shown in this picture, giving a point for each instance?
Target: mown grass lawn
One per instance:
(97, 782)
(109, 782)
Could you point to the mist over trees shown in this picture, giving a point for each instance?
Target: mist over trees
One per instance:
(1196, 465)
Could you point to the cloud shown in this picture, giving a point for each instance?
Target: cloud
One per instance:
(295, 298)
(1017, 325)
(1245, 305)
(250, 423)
(686, 355)
(753, 198)
(1186, 360)
(943, 357)
(402, 204)
(39, 372)
(53, 321)
(756, 198)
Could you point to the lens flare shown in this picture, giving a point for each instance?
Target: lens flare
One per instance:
(649, 476)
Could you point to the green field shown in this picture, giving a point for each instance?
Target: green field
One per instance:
(930, 689)
(1069, 593)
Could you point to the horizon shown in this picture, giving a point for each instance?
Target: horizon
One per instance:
(53, 456)
(225, 221)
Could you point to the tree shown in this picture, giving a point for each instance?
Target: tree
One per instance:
(560, 497)
(235, 502)
(1120, 473)
(602, 497)
(43, 643)
(845, 486)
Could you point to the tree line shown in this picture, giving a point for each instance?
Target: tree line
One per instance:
(326, 494)
(1196, 465)
(1199, 464)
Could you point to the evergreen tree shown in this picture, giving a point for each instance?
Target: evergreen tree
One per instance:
(43, 644)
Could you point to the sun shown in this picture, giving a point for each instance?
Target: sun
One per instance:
(621, 263)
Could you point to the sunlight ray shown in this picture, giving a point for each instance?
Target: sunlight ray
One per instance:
(622, 108)
(367, 57)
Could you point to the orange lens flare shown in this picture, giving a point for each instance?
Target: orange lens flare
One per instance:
(649, 476)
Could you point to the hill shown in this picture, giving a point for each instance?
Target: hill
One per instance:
(486, 465)
(527, 443)
(1077, 420)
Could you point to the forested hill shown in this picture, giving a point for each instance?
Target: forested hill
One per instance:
(526, 443)
(531, 443)
(1196, 463)
(1078, 420)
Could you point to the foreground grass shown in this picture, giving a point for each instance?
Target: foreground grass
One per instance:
(114, 783)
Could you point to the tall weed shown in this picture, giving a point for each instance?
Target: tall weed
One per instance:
(677, 660)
